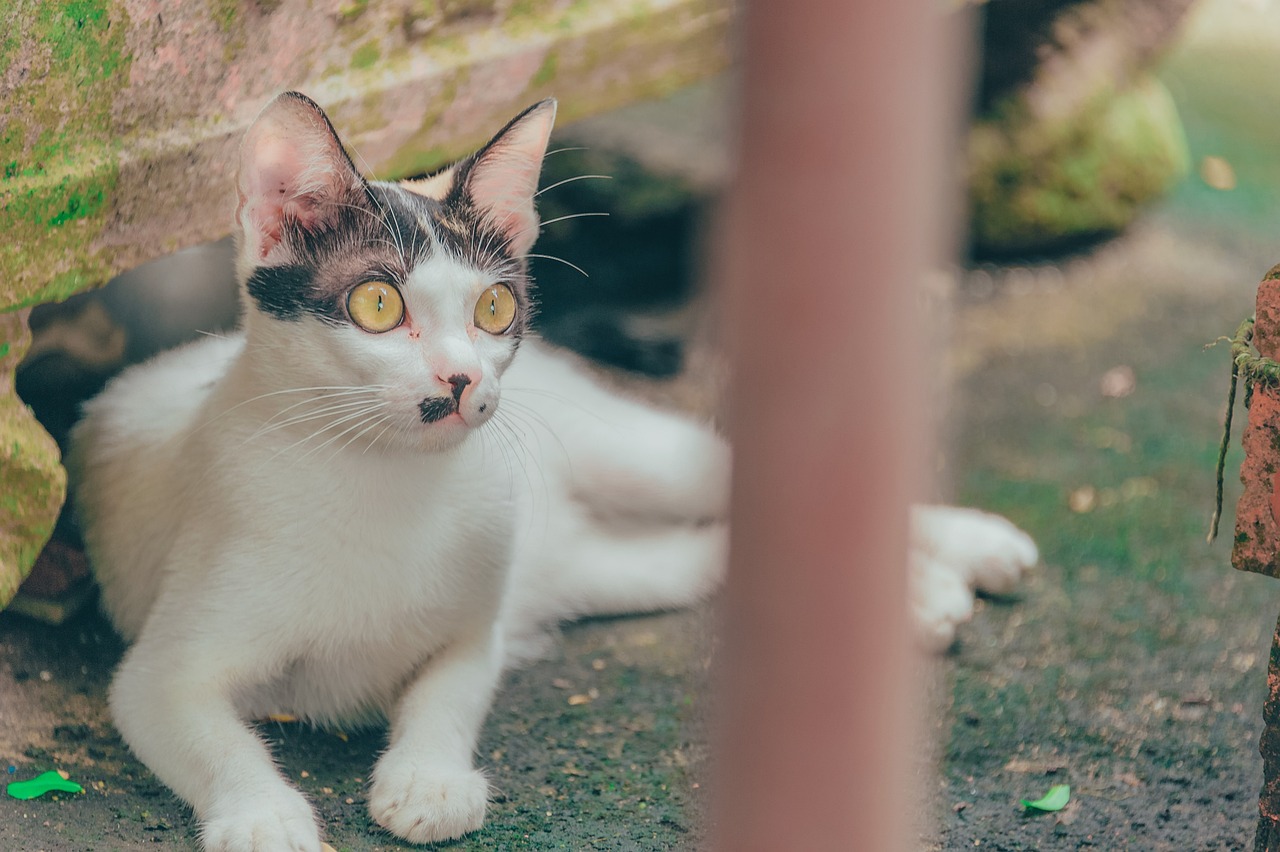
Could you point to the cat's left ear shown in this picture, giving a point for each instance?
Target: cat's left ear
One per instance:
(503, 178)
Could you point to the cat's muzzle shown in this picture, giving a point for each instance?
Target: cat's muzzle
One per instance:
(435, 408)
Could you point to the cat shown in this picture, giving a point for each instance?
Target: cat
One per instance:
(324, 514)
(364, 505)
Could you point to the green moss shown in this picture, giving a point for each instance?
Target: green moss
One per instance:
(546, 71)
(59, 150)
(1036, 184)
(352, 9)
(408, 162)
(34, 484)
(365, 56)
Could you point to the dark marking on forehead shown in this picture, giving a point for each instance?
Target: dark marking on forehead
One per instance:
(378, 234)
(284, 292)
(371, 236)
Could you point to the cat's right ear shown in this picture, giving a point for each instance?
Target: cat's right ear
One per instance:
(293, 173)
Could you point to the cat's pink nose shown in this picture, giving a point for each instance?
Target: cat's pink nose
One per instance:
(459, 382)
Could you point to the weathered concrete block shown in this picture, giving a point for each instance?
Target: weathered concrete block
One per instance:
(32, 481)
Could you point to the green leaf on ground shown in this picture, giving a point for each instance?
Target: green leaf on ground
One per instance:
(1054, 800)
(42, 784)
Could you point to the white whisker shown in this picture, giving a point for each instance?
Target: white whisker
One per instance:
(571, 180)
(560, 260)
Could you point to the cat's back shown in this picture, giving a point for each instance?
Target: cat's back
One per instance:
(126, 463)
(155, 400)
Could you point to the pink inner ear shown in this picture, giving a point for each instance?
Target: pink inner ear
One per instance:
(505, 177)
(504, 189)
(291, 165)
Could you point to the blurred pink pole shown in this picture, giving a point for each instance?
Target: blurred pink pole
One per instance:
(832, 222)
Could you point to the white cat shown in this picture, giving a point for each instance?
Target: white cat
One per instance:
(364, 504)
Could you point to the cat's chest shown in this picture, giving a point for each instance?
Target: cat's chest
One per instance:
(377, 548)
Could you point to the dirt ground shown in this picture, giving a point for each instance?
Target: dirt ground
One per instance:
(1132, 664)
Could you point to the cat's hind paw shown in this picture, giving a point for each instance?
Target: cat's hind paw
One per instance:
(986, 550)
(279, 822)
(423, 804)
(955, 551)
(940, 601)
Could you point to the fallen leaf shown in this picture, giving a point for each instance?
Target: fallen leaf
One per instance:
(1054, 800)
(45, 783)
(1118, 382)
(1083, 499)
(1129, 779)
(1037, 767)
(575, 700)
(1217, 173)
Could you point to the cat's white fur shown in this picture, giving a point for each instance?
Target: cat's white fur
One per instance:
(322, 552)
(356, 583)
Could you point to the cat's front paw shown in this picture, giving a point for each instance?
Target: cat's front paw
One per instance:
(423, 803)
(276, 822)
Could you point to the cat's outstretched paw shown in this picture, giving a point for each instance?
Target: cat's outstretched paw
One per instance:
(422, 803)
(279, 822)
(954, 552)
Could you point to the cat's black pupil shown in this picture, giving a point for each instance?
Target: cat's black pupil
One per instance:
(379, 302)
(493, 307)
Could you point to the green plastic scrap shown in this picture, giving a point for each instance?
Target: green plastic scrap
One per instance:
(1054, 800)
(41, 784)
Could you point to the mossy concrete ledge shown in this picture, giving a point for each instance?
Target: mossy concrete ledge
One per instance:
(120, 120)
(32, 481)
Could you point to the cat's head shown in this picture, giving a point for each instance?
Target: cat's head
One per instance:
(417, 291)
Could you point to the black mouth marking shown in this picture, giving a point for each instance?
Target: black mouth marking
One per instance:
(435, 408)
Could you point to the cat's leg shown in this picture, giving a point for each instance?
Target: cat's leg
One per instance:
(619, 456)
(586, 567)
(651, 466)
(425, 787)
(173, 704)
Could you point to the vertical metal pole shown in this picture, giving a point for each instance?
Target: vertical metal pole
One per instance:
(832, 221)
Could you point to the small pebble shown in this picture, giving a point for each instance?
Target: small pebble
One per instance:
(305, 774)
(46, 676)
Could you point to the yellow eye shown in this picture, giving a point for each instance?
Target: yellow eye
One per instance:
(376, 306)
(496, 309)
